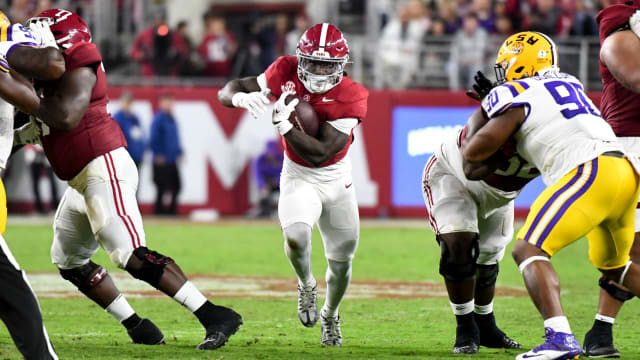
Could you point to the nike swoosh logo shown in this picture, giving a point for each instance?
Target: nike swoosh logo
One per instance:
(525, 356)
(324, 99)
(348, 186)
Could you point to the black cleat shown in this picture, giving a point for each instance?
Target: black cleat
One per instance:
(599, 344)
(146, 333)
(491, 336)
(499, 340)
(226, 324)
(467, 339)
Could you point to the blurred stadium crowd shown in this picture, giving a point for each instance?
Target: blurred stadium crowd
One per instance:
(417, 43)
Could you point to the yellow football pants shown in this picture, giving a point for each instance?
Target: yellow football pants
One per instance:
(3, 208)
(597, 199)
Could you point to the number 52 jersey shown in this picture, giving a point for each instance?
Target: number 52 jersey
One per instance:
(562, 128)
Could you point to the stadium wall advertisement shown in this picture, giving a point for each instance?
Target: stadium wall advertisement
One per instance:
(401, 130)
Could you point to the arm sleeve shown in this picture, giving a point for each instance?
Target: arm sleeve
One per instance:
(345, 125)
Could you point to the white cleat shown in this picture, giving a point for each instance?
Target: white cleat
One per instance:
(308, 305)
(331, 333)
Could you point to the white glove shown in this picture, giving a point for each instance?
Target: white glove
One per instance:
(27, 134)
(255, 102)
(42, 34)
(282, 111)
(634, 23)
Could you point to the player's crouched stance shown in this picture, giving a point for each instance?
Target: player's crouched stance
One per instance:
(592, 186)
(473, 222)
(85, 147)
(315, 184)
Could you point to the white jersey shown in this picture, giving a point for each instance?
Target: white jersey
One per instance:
(562, 128)
(6, 132)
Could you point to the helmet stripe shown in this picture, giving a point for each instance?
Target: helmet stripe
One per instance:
(554, 49)
(323, 35)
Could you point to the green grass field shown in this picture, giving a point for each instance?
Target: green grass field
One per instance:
(372, 328)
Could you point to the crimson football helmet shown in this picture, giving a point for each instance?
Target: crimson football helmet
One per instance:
(67, 27)
(322, 55)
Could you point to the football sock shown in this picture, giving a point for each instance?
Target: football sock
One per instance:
(300, 254)
(338, 277)
(483, 309)
(558, 324)
(120, 309)
(603, 328)
(604, 319)
(206, 314)
(462, 309)
(131, 322)
(189, 296)
(485, 321)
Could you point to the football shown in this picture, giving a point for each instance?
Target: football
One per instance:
(304, 118)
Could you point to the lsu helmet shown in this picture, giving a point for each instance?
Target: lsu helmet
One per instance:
(66, 26)
(4, 20)
(524, 54)
(322, 55)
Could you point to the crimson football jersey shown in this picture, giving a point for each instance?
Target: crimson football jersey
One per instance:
(620, 106)
(346, 100)
(96, 134)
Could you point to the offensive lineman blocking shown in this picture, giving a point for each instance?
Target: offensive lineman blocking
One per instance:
(473, 223)
(85, 147)
(315, 184)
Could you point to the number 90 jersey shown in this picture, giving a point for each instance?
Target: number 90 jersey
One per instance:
(562, 128)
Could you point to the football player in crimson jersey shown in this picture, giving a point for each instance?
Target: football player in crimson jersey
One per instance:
(619, 27)
(86, 147)
(315, 184)
(473, 222)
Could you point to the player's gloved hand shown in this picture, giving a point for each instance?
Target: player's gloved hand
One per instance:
(42, 34)
(282, 111)
(27, 134)
(255, 102)
(634, 23)
(481, 87)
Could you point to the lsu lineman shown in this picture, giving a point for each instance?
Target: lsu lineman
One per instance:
(592, 187)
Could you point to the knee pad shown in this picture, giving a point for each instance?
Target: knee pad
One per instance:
(487, 275)
(613, 290)
(151, 265)
(297, 235)
(85, 277)
(452, 268)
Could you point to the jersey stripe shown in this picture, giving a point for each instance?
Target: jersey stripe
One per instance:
(516, 87)
(323, 35)
(511, 88)
(3, 33)
(522, 83)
